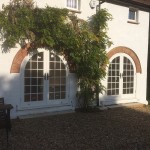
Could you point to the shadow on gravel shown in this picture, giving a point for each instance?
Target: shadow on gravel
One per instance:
(118, 128)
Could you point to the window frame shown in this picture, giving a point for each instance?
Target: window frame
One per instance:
(135, 19)
(78, 5)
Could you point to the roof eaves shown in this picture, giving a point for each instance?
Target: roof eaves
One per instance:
(145, 6)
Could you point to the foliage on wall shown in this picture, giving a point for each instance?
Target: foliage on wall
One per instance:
(83, 43)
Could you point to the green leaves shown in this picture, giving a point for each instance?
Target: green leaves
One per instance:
(82, 43)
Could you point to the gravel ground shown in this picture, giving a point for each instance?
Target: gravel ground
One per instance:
(125, 128)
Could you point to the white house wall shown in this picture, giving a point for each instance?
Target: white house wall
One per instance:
(133, 36)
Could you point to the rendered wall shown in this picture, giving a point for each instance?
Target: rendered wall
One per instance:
(133, 36)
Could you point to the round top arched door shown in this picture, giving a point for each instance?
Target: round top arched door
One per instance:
(121, 77)
(45, 80)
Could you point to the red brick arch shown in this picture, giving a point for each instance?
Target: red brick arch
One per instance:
(129, 52)
(22, 53)
(16, 64)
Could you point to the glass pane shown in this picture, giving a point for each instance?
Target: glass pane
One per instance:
(51, 81)
(40, 56)
(117, 60)
(52, 73)
(34, 65)
(131, 90)
(109, 86)
(63, 96)
(28, 65)
(63, 72)
(51, 96)
(57, 65)
(57, 95)
(124, 85)
(27, 81)
(117, 85)
(52, 57)
(40, 65)
(57, 88)
(63, 88)
(113, 92)
(113, 73)
(34, 73)
(57, 81)
(27, 73)
(57, 73)
(117, 91)
(113, 79)
(37, 57)
(108, 92)
(33, 89)
(27, 97)
(113, 85)
(51, 89)
(52, 65)
(40, 89)
(72, 3)
(132, 14)
(34, 97)
(40, 81)
(40, 97)
(124, 91)
(117, 79)
(57, 58)
(27, 89)
(34, 81)
(128, 79)
(34, 57)
(113, 67)
(40, 73)
(63, 81)
(62, 66)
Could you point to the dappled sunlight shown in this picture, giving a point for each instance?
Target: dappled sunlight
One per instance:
(140, 108)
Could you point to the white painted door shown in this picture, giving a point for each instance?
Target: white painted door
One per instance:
(121, 78)
(45, 80)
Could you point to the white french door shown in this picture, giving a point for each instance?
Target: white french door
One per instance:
(45, 80)
(121, 78)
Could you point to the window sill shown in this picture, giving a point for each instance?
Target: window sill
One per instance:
(132, 22)
(74, 11)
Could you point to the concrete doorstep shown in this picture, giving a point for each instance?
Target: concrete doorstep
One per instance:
(105, 107)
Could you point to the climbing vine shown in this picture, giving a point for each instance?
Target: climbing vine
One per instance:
(83, 43)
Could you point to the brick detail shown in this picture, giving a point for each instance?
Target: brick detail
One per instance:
(129, 52)
(21, 54)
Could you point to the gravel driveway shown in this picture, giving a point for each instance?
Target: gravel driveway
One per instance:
(125, 128)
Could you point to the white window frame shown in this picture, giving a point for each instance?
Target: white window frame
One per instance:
(135, 18)
(122, 96)
(73, 4)
(45, 102)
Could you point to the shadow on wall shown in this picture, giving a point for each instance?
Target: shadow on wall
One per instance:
(10, 90)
